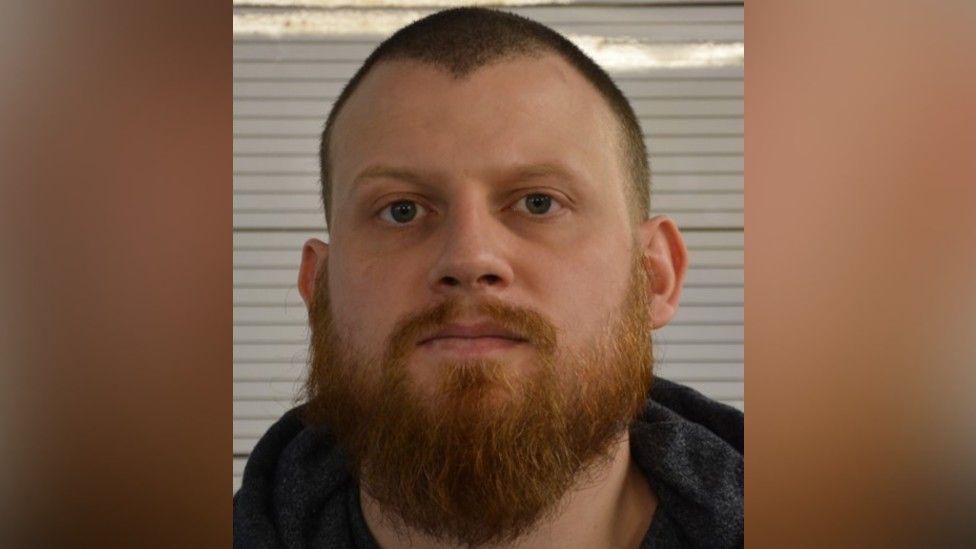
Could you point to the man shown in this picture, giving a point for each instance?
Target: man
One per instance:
(481, 366)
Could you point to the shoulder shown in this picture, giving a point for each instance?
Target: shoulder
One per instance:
(726, 422)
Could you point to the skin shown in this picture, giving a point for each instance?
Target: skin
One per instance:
(467, 152)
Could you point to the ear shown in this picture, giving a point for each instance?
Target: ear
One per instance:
(666, 260)
(315, 255)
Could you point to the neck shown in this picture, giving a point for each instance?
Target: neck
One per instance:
(612, 509)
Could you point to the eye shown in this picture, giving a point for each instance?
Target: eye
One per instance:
(538, 204)
(402, 212)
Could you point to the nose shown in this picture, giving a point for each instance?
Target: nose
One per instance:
(472, 256)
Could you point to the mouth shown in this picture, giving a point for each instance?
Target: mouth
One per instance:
(472, 339)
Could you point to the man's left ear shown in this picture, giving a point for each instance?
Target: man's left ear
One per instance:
(666, 260)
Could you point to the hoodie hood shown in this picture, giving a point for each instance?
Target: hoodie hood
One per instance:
(298, 490)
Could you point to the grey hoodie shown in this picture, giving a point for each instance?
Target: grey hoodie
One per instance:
(297, 490)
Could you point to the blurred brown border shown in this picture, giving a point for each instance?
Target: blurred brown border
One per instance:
(860, 266)
(116, 238)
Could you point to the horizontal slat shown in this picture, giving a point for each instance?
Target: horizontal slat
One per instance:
(661, 183)
(276, 183)
(303, 47)
(672, 145)
(668, 334)
(329, 90)
(262, 408)
(642, 107)
(713, 239)
(652, 127)
(268, 390)
(316, 60)
(331, 71)
(270, 315)
(684, 352)
(658, 15)
(704, 276)
(718, 390)
(703, 202)
(285, 241)
(292, 241)
(290, 353)
(296, 333)
(253, 427)
(655, 126)
(304, 202)
(645, 108)
(697, 163)
(289, 356)
(269, 372)
(289, 297)
(309, 164)
(285, 353)
(288, 241)
(244, 258)
(715, 314)
(711, 296)
(280, 407)
(683, 372)
(693, 182)
(244, 445)
(273, 404)
(289, 275)
(286, 258)
(569, 11)
(704, 220)
(263, 401)
(690, 220)
(293, 374)
(739, 404)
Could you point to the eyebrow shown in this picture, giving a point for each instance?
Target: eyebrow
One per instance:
(537, 171)
(389, 172)
(519, 172)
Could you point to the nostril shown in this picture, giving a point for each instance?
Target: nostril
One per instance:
(450, 281)
(491, 279)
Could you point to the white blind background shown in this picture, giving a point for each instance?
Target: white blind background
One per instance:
(692, 119)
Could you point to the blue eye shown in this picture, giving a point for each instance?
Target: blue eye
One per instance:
(537, 204)
(402, 212)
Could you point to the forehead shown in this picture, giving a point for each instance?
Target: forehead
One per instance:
(523, 110)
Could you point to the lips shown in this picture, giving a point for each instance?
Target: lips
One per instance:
(473, 331)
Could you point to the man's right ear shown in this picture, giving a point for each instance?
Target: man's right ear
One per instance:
(315, 254)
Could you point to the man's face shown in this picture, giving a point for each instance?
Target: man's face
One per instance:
(506, 184)
(481, 322)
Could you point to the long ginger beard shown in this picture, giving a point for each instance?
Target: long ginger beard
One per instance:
(490, 451)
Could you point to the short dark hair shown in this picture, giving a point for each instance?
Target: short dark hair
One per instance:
(461, 40)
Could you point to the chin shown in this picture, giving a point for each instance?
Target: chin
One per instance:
(486, 383)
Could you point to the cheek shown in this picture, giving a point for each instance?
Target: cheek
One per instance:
(591, 289)
(368, 297)
(356, 309)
